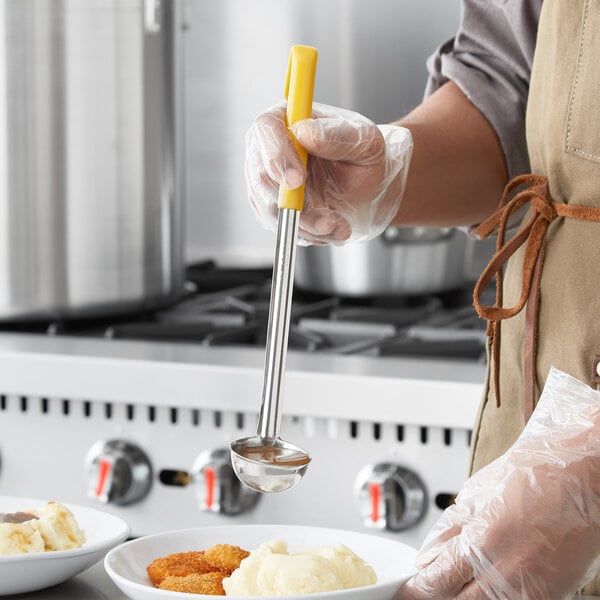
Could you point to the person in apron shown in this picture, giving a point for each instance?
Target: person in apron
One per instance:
(547, 530)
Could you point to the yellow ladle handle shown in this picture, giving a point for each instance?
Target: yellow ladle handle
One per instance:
(299, 90)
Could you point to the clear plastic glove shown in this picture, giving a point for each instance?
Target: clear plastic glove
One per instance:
(527, 526)
(356, 172)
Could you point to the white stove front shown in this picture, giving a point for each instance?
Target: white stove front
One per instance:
(143, 430)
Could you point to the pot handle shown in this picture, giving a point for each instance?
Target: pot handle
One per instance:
(152, 15)
(394, 236)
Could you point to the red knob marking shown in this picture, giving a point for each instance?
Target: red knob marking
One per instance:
(375, 493)
(103, 472)
(210, 478)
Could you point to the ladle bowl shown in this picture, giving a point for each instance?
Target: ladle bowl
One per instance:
(268, 464)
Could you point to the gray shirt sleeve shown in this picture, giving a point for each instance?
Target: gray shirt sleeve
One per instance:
(490, 60)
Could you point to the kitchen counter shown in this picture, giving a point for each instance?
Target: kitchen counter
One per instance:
(92, 584)
(95, 584)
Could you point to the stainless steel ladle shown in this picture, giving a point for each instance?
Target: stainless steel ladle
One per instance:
(264, 461)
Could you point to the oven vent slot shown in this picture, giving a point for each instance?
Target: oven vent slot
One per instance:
(42, 405)
(401, 433)
(359, 431)
(447, 437)
(116, 411)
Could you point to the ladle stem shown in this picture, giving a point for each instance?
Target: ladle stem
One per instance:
(278, 328)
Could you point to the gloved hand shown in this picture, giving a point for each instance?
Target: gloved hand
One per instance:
(356, 172)
(528, 524)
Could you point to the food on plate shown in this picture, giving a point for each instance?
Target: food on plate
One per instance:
(177, 565)
(196, 583)
(196, 572)
(19, 537)
(51, 527)
(225, 557)
(271, 571)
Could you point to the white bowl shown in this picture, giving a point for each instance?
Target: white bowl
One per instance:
(20, 573)
(392, 561)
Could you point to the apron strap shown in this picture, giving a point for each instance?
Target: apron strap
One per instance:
(533, 234)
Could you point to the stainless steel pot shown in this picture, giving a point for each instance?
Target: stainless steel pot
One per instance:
(402, 261)
(90, 156)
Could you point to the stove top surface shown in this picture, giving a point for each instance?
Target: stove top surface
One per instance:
(229, 307)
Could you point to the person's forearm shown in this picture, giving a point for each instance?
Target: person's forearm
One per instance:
(458, 171)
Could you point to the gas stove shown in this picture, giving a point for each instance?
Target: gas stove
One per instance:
(229, 307)
(135, 413)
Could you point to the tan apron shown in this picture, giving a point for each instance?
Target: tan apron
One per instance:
(548, 300)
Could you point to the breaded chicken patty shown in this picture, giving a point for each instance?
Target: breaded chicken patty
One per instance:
(196, 583)
(225, 557)
(179, 564)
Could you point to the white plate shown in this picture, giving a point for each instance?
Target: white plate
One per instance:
(20, 573)
(392, 561)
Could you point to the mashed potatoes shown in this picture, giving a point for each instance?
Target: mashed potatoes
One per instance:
(52, 527)
(271, 571)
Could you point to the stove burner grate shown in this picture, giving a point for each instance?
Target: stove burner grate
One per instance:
(230, 307)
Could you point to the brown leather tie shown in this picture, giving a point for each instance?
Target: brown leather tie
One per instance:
(532, 233)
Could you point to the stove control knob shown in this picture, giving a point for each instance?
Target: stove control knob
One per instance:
(217, 486)
(117, 472)
(390, 497)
